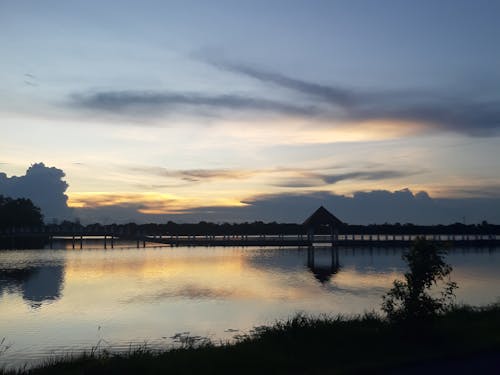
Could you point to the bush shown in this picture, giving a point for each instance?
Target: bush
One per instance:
(409, 300)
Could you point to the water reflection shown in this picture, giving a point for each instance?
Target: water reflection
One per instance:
(36, 284)
(323, 268)
(132, 295)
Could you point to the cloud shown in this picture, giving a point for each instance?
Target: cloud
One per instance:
(468, 115)
(300, 177)
(377, 206)
(335, 95)
(327, 105)
(30, 80)
(370, 176)
(317, 179)
(163, 101)
(485, 191)
(197, 175)
(44, 186)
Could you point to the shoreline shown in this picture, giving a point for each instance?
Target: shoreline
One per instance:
(305, 344)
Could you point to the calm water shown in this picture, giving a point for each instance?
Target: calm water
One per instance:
(57, 301)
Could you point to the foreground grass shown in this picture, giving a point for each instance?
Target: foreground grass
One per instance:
(304, 345)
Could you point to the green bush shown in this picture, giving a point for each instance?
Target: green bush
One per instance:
(410, 300)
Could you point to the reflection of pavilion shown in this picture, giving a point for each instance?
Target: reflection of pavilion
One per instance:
(324, 267)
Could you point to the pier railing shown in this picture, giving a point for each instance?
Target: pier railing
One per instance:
(9, 238)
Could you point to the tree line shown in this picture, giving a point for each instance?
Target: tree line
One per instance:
(22, 213)
(259, 227)
(19, 213)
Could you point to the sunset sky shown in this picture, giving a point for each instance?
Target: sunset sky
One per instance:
(166, 109)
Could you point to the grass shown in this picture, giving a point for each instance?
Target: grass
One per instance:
(363, 344)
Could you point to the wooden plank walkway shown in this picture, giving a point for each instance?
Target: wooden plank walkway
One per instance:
(320, 240)
(299, 240)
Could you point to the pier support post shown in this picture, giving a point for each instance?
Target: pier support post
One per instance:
(310, 256)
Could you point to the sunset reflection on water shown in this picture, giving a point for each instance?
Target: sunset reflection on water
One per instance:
(54, 301)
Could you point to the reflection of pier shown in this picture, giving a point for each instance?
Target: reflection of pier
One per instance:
(324, 268)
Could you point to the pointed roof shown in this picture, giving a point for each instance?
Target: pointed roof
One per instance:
(322, 217)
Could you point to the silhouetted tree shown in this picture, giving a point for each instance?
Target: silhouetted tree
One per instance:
(19, 213)
(409, 300)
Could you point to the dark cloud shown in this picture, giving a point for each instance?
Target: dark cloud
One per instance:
(370, 176)
(334, 95)
(317, 179)
(469, 115)
(197, 175)
(378, 206)
(303, 177)
(118, 213)
(486, 191)
(371, 207)
(30, 79)
(44, 186)
(472, 114)
(123, 101)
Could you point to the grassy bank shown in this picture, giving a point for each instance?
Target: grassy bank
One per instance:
(310, 345)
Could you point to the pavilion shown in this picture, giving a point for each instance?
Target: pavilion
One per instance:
(320, 219)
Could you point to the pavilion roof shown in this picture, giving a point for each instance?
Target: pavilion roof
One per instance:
(322, 217)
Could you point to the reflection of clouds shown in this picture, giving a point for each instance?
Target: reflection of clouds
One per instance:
(154, 292)
(356, 291)
(254, 275)
(36, 284)
(189, 291)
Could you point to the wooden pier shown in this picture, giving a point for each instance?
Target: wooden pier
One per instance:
(301, 240)
(109, 240)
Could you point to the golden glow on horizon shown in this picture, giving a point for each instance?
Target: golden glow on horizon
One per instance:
(147, 203)
(299, 131)
(226, 163)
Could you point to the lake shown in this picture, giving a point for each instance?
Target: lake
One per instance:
(54, 302)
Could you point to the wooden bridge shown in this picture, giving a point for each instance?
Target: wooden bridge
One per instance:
(320, 240)
(17, 239)
(321, 221)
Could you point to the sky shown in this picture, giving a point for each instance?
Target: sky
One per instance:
(382, 111)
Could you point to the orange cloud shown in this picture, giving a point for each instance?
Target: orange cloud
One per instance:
(147, 203)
